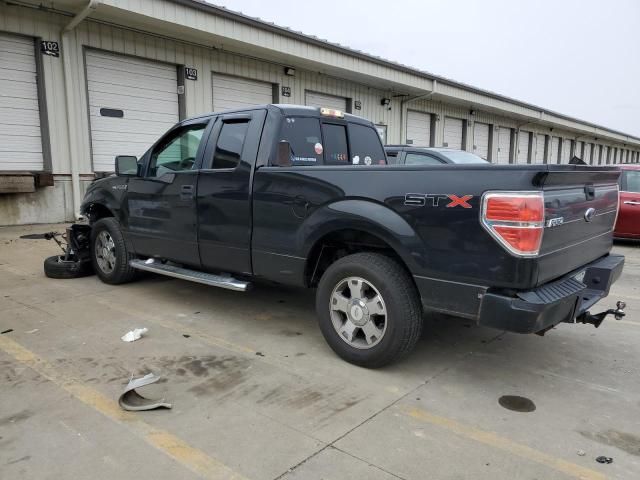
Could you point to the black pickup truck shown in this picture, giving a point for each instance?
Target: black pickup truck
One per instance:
(303, 196)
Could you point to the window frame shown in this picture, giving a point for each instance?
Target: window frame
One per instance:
(423, 154)
(219, 121)
(171, 133)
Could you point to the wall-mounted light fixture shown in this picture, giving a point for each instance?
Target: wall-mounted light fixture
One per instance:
(385, 101)
(290, 71)
(472, 112)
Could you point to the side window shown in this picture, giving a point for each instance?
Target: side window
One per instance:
(336, 151)
(303, 134)
(419, 159)
(631, 180)
(366, 148)
(230, 142)
(177, 152)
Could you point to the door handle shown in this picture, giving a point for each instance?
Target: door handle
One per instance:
(629, 202)
(186, 192)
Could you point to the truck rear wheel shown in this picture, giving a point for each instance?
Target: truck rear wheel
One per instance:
(109, 253)
(368, 309)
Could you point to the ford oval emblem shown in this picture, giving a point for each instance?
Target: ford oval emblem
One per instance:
(589, 214)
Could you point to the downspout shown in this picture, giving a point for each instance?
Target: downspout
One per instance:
(403, 116)
(70, 100)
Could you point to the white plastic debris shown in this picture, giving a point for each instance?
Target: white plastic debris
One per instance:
(134, 335)
(149, 261)
(132, 400)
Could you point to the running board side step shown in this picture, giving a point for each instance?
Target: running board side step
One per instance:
(221, 281)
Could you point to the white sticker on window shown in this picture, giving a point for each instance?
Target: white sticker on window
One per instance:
(356, 160)
(318, 148)
(367, 160)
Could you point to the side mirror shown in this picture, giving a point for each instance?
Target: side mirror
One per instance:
(126, 166)
(283, 154)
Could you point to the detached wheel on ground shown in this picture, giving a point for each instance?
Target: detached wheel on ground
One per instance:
(368, 309)
(109, 253)
(58, 267)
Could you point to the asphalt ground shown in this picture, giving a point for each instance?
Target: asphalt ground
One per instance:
(257, 393)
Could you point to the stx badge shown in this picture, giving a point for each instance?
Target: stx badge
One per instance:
(435, 200)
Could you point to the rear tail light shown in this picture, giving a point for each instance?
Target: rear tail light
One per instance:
(515, 220)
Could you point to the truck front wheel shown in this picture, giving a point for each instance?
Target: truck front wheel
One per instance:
(368, 309)
(109, 253)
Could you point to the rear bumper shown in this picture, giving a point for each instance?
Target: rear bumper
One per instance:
(559, 301)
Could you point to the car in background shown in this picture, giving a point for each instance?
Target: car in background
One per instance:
(628, 222)
(410, 155)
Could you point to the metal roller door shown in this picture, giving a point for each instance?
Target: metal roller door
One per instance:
(314, 99)
(20, 137)
(523, 147)
(418, 129)
(605, 155)
(555, 147)
(235, 92)
(587, 153)
(539, 155)
(481, 140)
(131, 103)
(453, 133)
(504, 144)
(565, 154)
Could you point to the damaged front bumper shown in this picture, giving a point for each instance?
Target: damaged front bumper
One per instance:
(567, 299)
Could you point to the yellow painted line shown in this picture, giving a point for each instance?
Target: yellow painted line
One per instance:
(501, 443)
(192, 458)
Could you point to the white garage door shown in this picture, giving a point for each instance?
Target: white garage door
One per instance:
(539, 155)
(523, 146)
(555, 147)
(131, 103)
(504, 144)
(20, 141)
(565, 155)
(314, 99)
(452, 133)
(235, 92)
(481, 140)
(587, 153)
(418, 129)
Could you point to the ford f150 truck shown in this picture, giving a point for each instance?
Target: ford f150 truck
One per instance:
(303, 196)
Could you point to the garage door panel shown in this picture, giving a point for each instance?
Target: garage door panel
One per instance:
(418, 128)
(106, 136)
(553, 154)
(98, 75)
(20, 132)
(140, 93)
(128, 65)
(21, 62)
(314, 99)
(481, 139)
(136, 116)
(18, 116)
(453, 132)
(566, 151)
(146, 92)
(234, 92)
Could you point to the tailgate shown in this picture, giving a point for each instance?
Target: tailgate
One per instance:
(581, 205)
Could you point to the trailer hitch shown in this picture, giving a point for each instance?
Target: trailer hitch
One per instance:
(597, 319)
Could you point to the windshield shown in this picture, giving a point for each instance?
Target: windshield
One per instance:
(458, 156)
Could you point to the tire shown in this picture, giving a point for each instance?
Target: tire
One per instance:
(57, 267)
(110, 255)
(395, 332)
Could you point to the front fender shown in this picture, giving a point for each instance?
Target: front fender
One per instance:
(367, 216)
(109, 193)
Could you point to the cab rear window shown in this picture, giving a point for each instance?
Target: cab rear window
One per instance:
(366, 148)
(303, 134)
